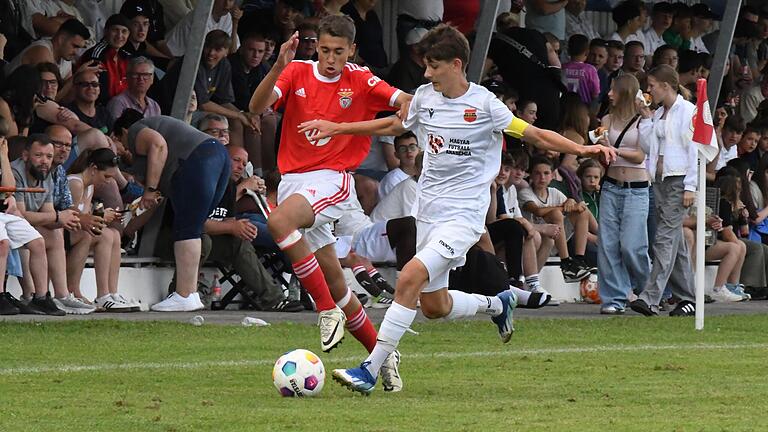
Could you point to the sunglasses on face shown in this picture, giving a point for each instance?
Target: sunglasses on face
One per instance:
(93, 84)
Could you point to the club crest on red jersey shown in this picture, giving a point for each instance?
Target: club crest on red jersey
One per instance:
(345, 98)
(470, 115)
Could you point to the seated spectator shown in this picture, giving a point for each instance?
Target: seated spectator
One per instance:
(50, 78)
(33, 170)
(216, 126)
(406, 149)
(400, 202)
(662, 15)
(665, 54)
(44, 18)
(629, 16)
(213, 86)
(60, 50)
(224, 16)
(634, 61)
(580, 77)
(113, 58)
(542, 204)
(85, 107)
(142, 37)
(141, 76)
(307, 48)
(701, 24)
(679, 34)
(407, 73)
(748, 142)
(92, 168)
(598, 53)
(249, 67)
(61, 139)
(369, 35)
(576, 22)
(150, 9)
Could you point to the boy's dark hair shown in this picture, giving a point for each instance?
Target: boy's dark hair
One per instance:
(597, 42)
(73, 27)
(506, 160)
(735, 123)
(406, 135)
(126, 120)
(41, 138)
(217, 39)
(625, 11)
(337, 26)
(257, 36)
(752, 128)
(586, 164)
(520, 159)
(578, 44)
(272, 180)
(632, 44)
(445, 43)
(541, 160)
(103, 158)
(660, 50)
(688, 60)
(511, 94)
(614, 44)
(308, 25)
(50, 68)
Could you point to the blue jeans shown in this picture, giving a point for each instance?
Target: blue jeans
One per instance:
(197, 187)
(622, 247)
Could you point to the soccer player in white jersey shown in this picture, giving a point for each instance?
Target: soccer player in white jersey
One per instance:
(461, 125)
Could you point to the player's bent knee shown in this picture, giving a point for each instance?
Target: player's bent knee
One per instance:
(434, 305)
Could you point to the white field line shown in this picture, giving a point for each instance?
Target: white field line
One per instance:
(446, 355)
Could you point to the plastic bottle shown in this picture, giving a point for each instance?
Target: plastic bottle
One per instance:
(216, 293)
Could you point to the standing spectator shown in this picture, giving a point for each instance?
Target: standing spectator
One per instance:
(150, 9)
(576, 22)
(249, 67)
(141, 76)
(614, 63)
(578, 76)
(661, 20)
(33, 170)
(546, 16)
(665, 132)
(413, 14)
(665, 54)
(701, 25)
(307, 49)
(113, 58)
(224, 16)
(406, 149)
(629, 18)
(87, 90)
(369, 38)
(408, 72)
(622, 252)
(598, 54)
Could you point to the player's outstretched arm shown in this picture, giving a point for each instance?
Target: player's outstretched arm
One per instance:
(387, 126)
(549, 140)
(264, 95)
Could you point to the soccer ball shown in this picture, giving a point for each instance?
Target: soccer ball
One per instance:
(299, 373)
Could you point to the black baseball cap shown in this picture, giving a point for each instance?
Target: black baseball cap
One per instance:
(133, 9)
(663, 7)
(700, 10)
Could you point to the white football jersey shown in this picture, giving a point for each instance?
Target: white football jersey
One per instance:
(462, 140)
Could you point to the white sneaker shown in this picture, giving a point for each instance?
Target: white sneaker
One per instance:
(73, 306)
(107, 303)
(331, 324)
(721, 294)
(176, 303)
(133, 303)
(390, 374)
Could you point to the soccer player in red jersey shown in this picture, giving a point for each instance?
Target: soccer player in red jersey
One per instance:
(316, 187)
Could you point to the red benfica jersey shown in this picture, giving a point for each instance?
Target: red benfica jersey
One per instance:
(355, 95)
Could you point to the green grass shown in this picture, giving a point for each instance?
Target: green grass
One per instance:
(559, 375)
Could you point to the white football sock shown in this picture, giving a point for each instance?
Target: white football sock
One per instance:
(397, 320)
(468, 305)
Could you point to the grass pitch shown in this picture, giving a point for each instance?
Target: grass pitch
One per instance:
(623, 374)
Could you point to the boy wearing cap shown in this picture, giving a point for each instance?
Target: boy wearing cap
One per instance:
(140, 19)
(112, 57)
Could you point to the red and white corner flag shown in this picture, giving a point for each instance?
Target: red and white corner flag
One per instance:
(703, 127)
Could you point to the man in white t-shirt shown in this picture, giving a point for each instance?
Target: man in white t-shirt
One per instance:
(406, 149)
(461, 126)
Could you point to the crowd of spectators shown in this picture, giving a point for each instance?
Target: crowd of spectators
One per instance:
(77, 73)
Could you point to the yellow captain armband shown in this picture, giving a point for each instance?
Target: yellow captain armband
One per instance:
(516, 128)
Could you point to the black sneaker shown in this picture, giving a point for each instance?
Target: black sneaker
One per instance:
(22, 306)
(684, 308)
(287, 305)
(46, 305)
(572, 271)
(583, 264)
(6, 307)
(641, 307)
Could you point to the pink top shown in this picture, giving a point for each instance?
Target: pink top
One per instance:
(631, 141)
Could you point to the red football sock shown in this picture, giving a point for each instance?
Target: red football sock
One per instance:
(362, 328)
(312, 279)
